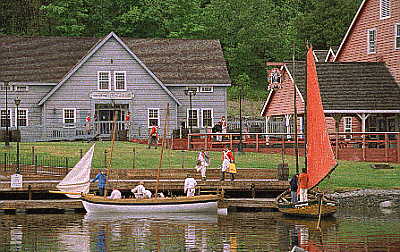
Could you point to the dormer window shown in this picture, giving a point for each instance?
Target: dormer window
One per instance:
(385, 9)
(103, 80)
(372, 41)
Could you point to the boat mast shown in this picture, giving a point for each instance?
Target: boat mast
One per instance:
(113, 132)
(296, 149)
(162, 149)
(305, 109)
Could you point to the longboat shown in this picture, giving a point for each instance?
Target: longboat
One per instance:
(77, 182)
(320, 160)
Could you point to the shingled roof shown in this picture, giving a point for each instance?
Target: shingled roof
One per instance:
(173, 61)
(352, 85)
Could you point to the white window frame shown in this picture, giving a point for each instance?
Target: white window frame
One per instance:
(115, 80)
(202, 117)
(206, 91)
(396, 36)
(381, 13)
(16, 117)
(348, 125)
(22, 88)
(98, 80)
(69, 125)
(193, 88)
(187, 117)
(9, 116)
(369, 41)
(148, 117)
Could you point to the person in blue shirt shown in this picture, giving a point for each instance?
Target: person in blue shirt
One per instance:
(293, 188)
(102, 178)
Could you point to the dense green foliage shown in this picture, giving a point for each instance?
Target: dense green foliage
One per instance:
(251, 32)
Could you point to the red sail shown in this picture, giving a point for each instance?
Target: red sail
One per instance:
(320, 157)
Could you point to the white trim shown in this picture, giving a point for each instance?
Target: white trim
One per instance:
(68, 125)
(187, 117)
(109, 80)
(9, 112)
(16, 86)
(92, 51)
(381, 12)
(15, 116)
(266, 102)
(115, 80)
(148, 117)
(350, 28)
(202, 116)
(202, 91)
(334, 111)
(330, 51)
(369, 41)
(345, 123)
(30, 83)
(396, 27)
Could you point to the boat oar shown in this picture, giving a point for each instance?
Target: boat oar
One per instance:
(61, 192)
(320, 211)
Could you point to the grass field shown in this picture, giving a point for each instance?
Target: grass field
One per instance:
(347, 176)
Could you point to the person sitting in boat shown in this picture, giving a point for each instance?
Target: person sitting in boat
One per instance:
(140, 191)
(190, 186)
(303, 185)
(293, 188)
(102, 178)
(115, 194)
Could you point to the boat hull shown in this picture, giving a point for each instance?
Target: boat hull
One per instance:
(204, 203)
(311, 209)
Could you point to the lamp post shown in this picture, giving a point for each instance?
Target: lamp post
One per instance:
(17, 102)
(7, 136)
(190, 93)
(240, 147)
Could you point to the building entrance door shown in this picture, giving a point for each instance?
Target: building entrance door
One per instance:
(105, 116)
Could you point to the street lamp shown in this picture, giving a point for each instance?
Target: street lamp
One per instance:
(7, 136)
(190, 92)
(17, 102)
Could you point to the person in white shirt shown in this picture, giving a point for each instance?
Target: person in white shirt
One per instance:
(202, 163)
(115, 194)
(140, 191)
(190, 186)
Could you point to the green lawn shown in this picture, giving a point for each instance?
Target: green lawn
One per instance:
(347, 176)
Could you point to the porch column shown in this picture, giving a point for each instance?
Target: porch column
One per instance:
(363, 118)
(287, 124)
(267, 129)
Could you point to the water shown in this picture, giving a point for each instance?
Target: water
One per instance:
(351, 230)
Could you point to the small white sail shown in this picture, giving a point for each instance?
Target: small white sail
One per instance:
(78, 179)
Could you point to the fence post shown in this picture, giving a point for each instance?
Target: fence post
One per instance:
(33, 154)
(81, 153)
(105, 159)
(337, 144)
(364, 147)
(5, 161)
(66, 165)
(134, 158)
(36, 165)
(183, 160)
(386, 147)
(257, 143)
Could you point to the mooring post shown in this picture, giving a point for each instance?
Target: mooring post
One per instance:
(81, 153)
(134, 158)
(33, 154)
(29, 192)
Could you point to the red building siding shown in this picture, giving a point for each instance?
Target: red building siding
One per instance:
(355, 46)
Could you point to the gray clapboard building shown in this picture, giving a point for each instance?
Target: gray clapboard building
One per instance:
(73, 86)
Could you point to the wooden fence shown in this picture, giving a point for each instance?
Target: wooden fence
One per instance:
(356, 146)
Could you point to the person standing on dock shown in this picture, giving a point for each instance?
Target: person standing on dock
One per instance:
(190, 186)
(227, 159)
(153, 138)
(202, 163)
(293, 189)
(303, 185)
(102, 178)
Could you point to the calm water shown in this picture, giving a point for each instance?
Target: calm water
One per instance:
(350, 230)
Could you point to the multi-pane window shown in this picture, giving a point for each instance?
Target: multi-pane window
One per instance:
(347, 125)
(120, 80)
(385, 9)
(397, 36)
(22, 117)
(154, 117)
(5, 119)
(207, 117)
(104, 80)
(193, 118)
(372, 41)
(21, 88)
(206, 89)
(69, 116)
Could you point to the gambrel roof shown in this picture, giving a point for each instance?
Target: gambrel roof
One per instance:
(172, 61)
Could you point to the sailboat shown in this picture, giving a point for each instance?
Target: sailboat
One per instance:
(320, 160)
(76, 184)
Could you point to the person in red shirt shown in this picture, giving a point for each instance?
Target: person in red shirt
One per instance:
(88, 122)
(153, 138)
(227, 159)
(303, 185)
